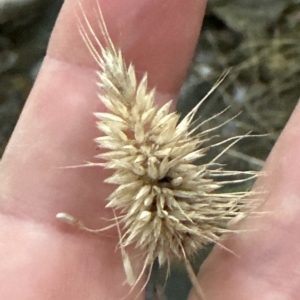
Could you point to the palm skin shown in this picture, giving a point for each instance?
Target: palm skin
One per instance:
(44, 259)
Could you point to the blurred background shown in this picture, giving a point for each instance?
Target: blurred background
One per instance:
(258, 39)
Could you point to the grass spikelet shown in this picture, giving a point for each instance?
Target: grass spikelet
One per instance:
(167, 206)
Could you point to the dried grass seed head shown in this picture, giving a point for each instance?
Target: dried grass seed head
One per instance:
(167, 206)
(167, 203)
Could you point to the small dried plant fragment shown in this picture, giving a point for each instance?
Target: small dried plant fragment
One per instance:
(167, 206)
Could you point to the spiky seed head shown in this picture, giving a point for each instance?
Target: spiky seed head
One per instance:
(167, 206)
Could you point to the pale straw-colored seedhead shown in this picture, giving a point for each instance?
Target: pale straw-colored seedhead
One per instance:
(167, 206)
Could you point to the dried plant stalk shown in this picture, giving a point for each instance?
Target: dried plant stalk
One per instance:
(167, 206)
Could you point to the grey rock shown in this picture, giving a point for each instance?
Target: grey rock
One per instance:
(250, 17)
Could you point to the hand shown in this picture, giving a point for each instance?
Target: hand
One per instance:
(44, 259)
(41, 257)
(266, 265)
